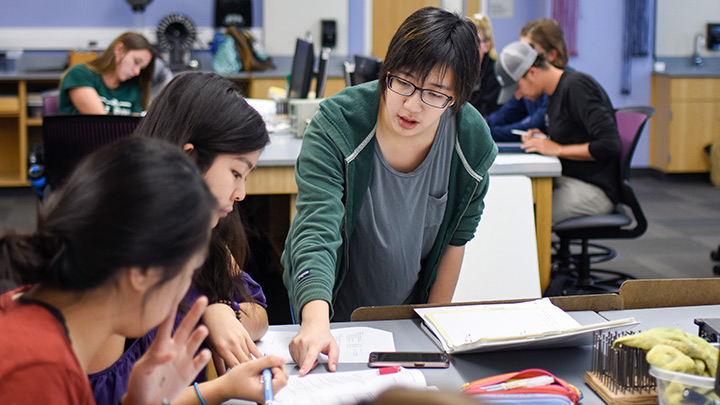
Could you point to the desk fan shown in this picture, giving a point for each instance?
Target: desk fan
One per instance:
(176, 33)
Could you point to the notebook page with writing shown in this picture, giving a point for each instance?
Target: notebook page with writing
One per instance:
(349, 387)
(532, 324)
(467, 324)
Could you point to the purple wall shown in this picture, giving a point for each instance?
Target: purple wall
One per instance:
(600, 55)
(599, 40)
(507, 30)
(106, 13)
(356, 26)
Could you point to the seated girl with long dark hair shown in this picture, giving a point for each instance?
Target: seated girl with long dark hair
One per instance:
(114, 253)
(204, 115)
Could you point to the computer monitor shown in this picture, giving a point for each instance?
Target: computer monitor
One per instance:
(302, 69)
(367, 68)
(322, 72)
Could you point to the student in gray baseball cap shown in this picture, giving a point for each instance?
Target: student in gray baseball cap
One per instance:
(581, 130)
(513, 63)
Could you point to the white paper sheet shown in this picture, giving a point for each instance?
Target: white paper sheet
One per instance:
(345, 387)
(355, 343)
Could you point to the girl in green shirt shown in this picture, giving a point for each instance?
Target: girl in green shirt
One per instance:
(116, 83)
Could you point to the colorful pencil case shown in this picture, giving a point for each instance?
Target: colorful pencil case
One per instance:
(523, 387)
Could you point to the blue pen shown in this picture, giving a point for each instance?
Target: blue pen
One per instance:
(267, 384)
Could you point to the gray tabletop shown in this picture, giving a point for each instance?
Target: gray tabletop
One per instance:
(49, 65)
(569, 363)
(676, 317)
(684, 67)
(283, 150)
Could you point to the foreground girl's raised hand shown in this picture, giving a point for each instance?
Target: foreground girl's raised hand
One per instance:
(172, 362)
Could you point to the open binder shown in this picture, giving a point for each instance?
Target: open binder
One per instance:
(532, 324)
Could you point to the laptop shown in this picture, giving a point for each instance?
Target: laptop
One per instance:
(510, 147)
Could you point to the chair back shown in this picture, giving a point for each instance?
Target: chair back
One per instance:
(69, 138)
(51, 103)
(630, 122)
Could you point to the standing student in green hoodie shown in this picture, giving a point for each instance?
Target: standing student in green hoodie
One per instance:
(391, 179)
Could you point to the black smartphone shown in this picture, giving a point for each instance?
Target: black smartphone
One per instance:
(409, 359)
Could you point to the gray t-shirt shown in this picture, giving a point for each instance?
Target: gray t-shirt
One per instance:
(396, 228)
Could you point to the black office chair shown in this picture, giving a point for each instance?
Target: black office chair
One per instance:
(572, 273)
(69, 138)
(362, 69)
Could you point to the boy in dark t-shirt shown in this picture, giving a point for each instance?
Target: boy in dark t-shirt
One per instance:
(582, 131)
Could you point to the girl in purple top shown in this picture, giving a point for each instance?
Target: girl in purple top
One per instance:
(205, 115)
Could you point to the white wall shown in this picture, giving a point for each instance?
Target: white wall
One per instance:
(679, 21)
(284, 21)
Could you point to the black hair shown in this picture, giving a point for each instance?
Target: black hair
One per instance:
(434, 38)
(207, 111)
(134, 203)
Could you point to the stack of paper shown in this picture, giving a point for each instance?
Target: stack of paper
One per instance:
(539, 323)
(350, 387)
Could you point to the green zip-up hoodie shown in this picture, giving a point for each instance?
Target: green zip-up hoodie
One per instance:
(333, 173)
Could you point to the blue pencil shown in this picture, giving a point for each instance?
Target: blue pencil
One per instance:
(267, 384)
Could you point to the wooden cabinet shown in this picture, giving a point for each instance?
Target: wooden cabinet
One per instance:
(18, 130)
(687, 120)
(13, 134)
(387, 17)
(258, 88)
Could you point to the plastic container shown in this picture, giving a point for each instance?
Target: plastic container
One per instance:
(676, 388)
(9, 59)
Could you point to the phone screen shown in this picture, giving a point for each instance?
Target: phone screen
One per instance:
(409, 359)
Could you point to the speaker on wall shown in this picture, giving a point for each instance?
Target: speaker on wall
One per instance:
(237, 13)
(328, 33)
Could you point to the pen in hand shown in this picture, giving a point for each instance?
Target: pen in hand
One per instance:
(520, 132)
(267, 385)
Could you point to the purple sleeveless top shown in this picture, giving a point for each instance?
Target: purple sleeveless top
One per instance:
(110, 385)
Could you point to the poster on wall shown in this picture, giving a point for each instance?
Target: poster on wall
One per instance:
(501, 8)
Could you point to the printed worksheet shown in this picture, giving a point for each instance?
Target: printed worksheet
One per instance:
(345, 387)
(355, 343)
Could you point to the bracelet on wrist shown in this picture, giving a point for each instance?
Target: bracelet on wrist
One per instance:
(200, 397)
(234, 306)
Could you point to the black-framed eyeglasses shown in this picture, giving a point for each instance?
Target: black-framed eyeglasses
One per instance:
(430, 97)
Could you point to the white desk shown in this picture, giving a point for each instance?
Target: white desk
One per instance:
(275, 174)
